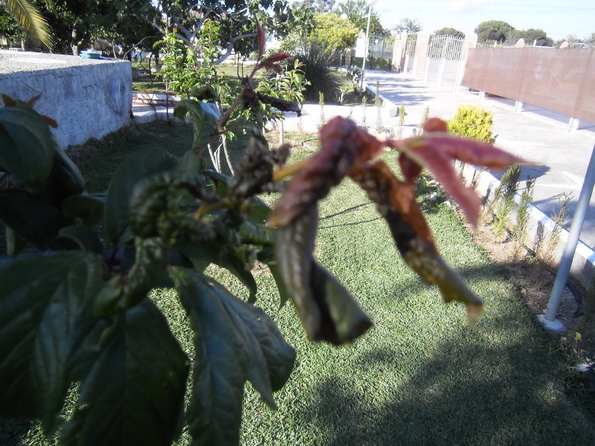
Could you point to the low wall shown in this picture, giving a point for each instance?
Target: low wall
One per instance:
(88, 98)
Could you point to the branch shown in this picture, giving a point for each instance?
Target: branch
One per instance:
(229, 47)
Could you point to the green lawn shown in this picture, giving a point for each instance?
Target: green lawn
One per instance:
(421, 375)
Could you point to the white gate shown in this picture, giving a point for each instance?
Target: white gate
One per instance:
(409, 64)
(444, 63)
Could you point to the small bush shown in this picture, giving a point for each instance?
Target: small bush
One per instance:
(474, 122)
(317, 62)
(373, 63)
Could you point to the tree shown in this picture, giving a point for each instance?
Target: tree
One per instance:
(77, 316)
(450, 32)
(235, 19)
(29, 18)
(494, 30)
(534, 36)
(335, 32)
(357, 13)
(75, 24)
(320, 6)
(412, 26)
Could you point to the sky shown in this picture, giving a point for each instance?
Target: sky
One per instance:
(557, 18)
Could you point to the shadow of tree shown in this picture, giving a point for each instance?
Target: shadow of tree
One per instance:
(499, 382)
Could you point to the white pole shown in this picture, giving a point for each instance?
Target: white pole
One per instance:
(367, 43)
(549, 318)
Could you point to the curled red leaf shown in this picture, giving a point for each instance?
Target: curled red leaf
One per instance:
(436, 150)
(395, 201)
(261, 40)
(277, 57)
(342, 145)
(435, 125)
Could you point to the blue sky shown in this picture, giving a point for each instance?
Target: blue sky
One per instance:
(557, 18)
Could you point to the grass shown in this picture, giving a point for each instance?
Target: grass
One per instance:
(421, 375)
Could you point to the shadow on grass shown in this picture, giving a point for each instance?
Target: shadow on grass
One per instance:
(501, 382)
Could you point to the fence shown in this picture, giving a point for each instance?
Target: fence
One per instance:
(556, 79)
(444, 60)
(380, 47)
(410, 59)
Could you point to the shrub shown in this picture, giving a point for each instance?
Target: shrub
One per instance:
(317, 61)
(472, 121)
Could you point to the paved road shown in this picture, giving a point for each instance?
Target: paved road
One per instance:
(534, 134)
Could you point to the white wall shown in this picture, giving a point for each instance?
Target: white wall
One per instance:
(88, 98)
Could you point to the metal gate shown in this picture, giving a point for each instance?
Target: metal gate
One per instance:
(444, 63)
(410, 47)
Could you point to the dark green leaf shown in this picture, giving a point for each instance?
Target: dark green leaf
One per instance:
(190, 164)
(30, 217)
(25, 146)
(65, 178)
(83, 237)
(233, 260)
(41, 305)
(347, 319)
(134, 392)
(14, 243)
(234, 342)
(327, 310)
(220, 181)
(88, 209)
(136, 167)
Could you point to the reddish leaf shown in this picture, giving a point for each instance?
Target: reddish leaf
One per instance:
(436, 150)
(270, 62)
(471, 151)
(409, 168)
(278, 57)
(342, 145)
(438, 163)
(435, 125)
(261, 40)
(396, 202)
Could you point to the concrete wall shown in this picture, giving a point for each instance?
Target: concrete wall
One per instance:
(88, 98)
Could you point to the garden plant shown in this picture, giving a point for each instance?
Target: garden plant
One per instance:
(75, 317)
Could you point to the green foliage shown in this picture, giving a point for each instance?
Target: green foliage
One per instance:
(357, 13)
(372, 63)
(503, 201)
(412, 26)
(337, 33)
(82, 307)
(519, 231)
(471, 121)
(317, 71)
(494, 30)
(448, 31)
(182, 71)
(534, 36)
(76, 309)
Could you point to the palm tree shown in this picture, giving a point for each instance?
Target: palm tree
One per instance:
(30, 19)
